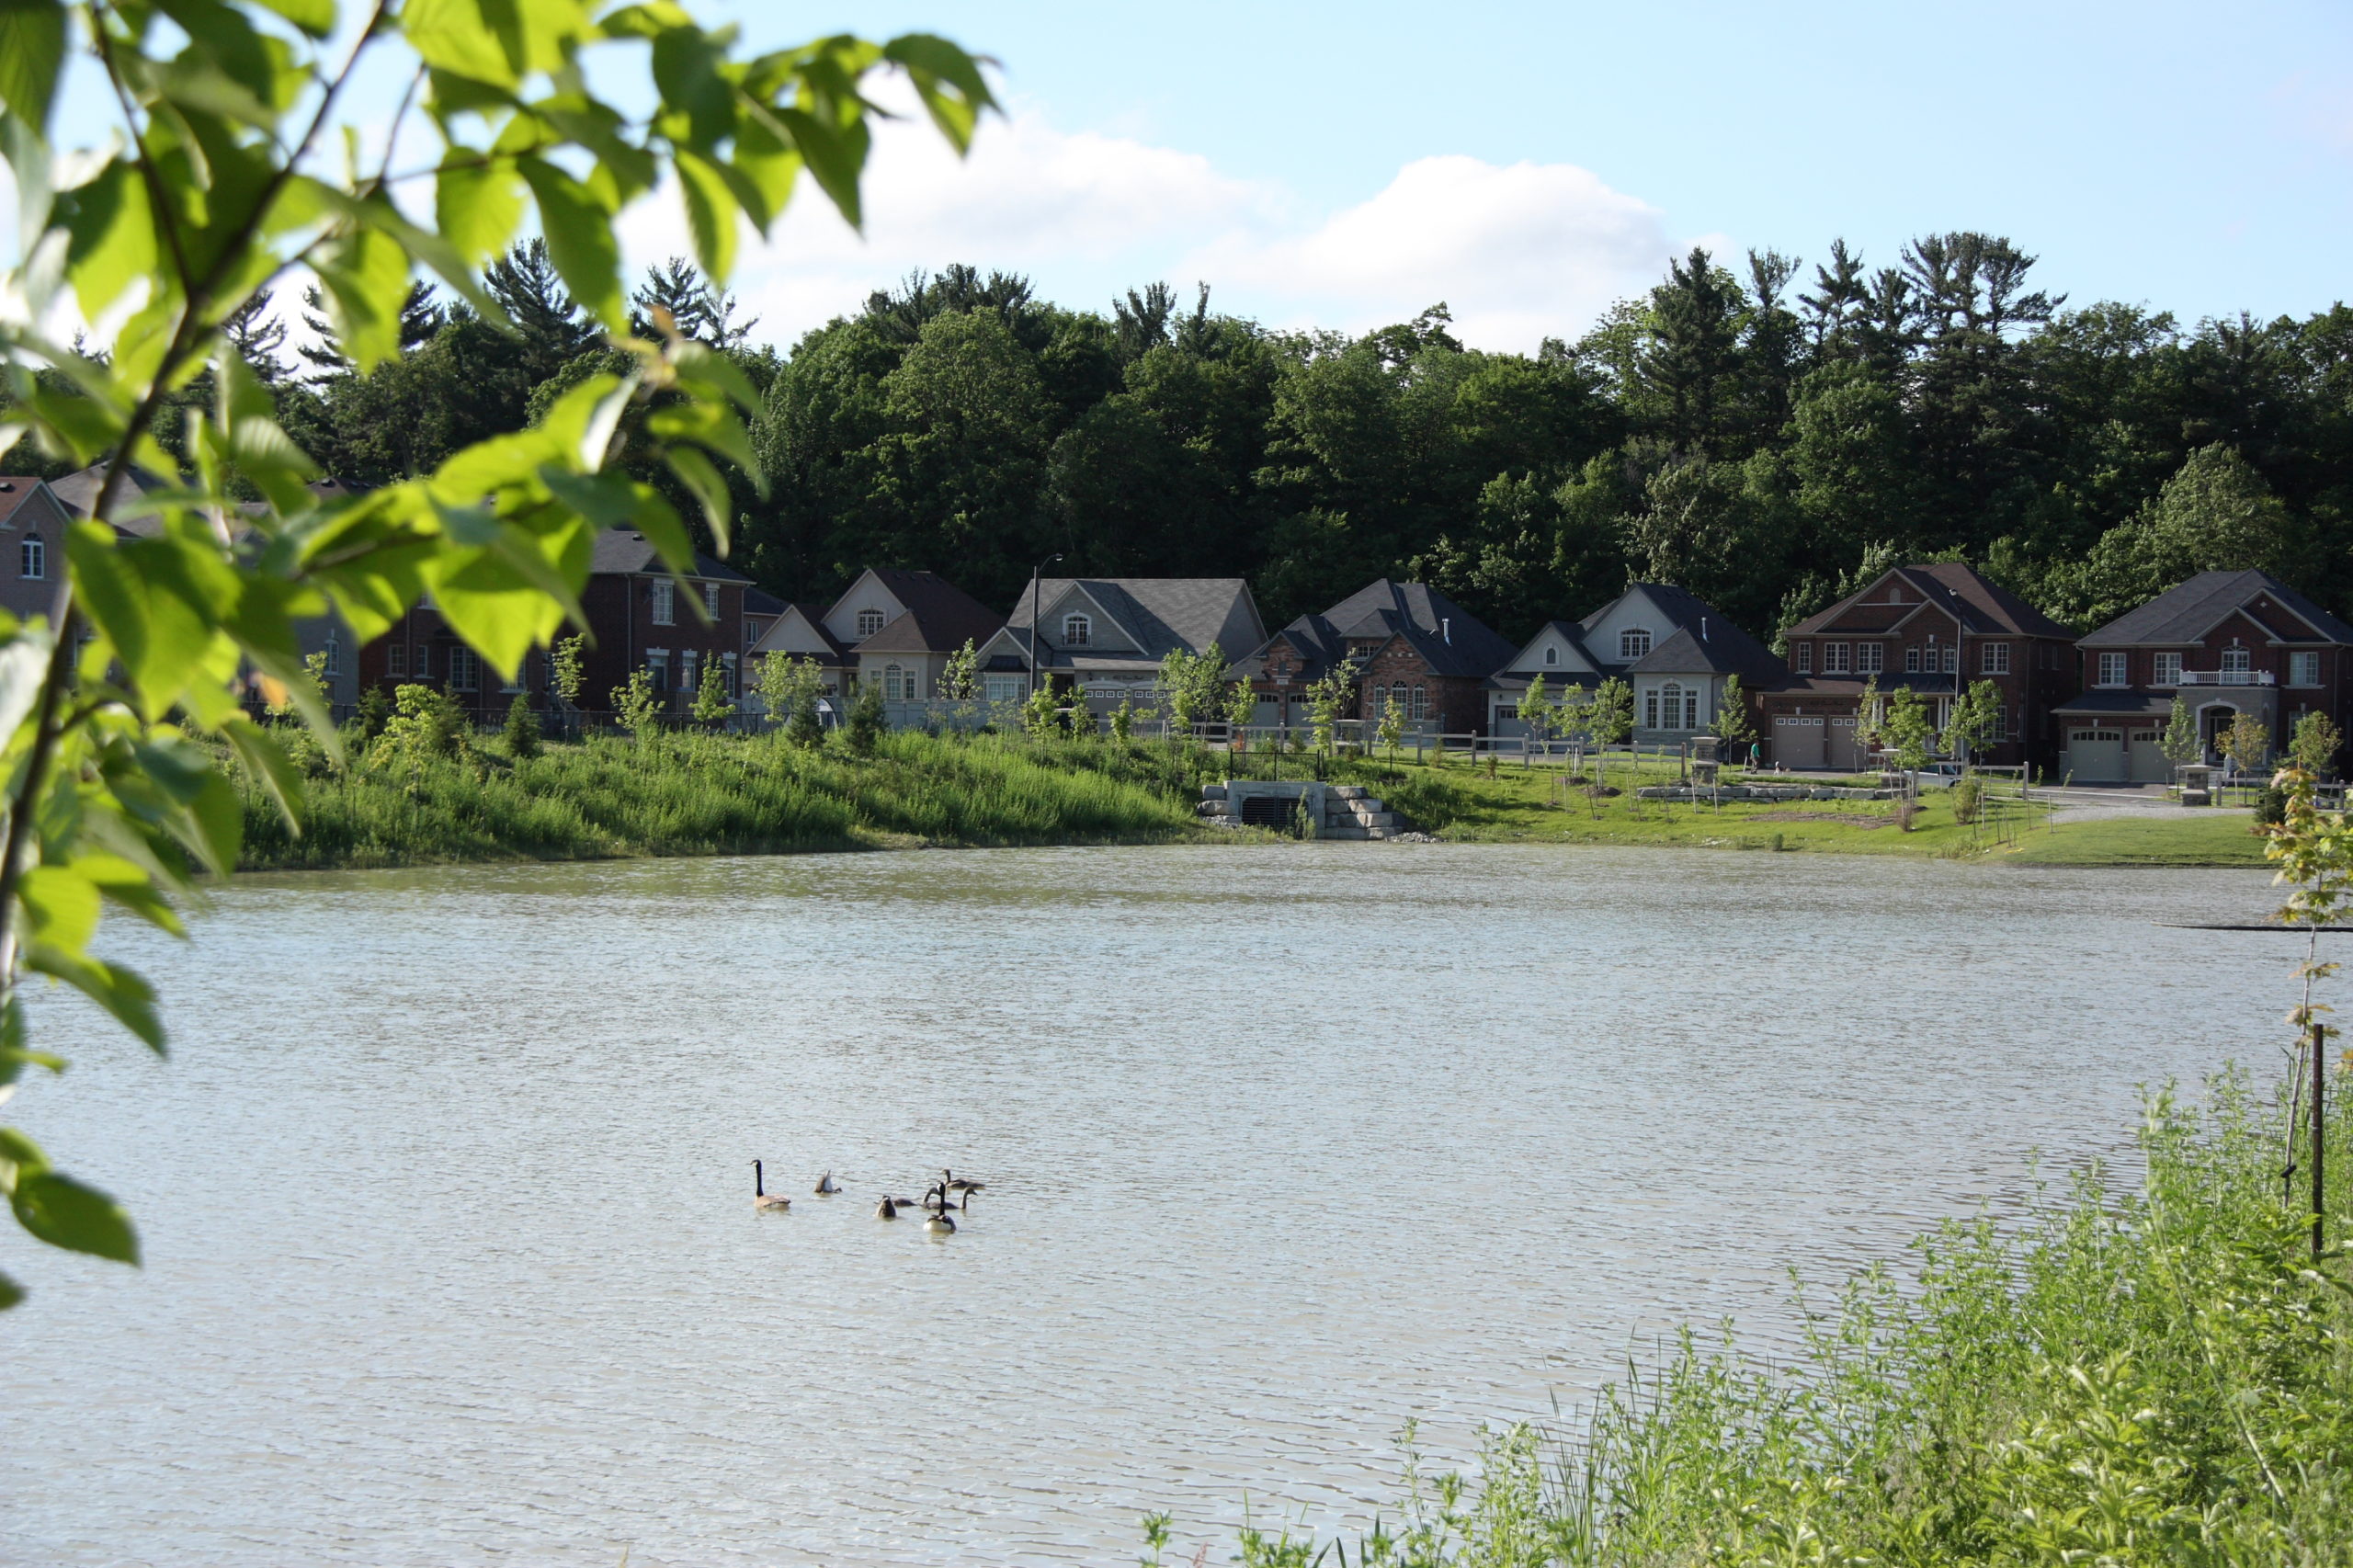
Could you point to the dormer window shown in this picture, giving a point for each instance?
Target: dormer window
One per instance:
(1633, 643)
(1077, 631)
(1551, 655)
(870, 621)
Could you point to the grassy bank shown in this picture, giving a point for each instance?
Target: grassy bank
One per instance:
(698, 794)
(727, 795)
(2162, 1376)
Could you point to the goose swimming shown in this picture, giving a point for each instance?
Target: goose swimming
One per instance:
(761, 1197)
(827, 1186)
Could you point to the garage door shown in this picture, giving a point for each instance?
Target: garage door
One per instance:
(1797, 741)
(1845, 754)
(2149, 763)
(2095, 756)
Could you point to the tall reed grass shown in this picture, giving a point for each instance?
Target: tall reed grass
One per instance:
(716, 794)
(2163, 1376)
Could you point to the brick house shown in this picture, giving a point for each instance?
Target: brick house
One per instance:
(1672, 649)
(637, 619)
(1407, 641)
(1936, 630)
(32, 546)
(2225, 644)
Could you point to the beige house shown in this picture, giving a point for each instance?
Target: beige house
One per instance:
(894, 627)
(1107, 635)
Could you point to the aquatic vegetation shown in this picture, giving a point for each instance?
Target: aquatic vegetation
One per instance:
(2159, 1375)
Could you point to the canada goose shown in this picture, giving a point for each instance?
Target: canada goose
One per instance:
(761, 1197)
(886, 1210)
(958, 1185)
(935, 1196)
(941, 1224)
(827, 1186)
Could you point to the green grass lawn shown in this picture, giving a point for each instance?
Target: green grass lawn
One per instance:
(2188, 837)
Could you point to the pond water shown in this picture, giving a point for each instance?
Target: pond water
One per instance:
(451, 1259)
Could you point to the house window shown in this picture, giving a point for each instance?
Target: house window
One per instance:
(727, 673)
(334, 651)
(2111, 669)
(870, 621)
(1869, 658)
(32, 557)
(1397, 695)
(1995, 660)
(424, 661)
(710, 599)
(397, 659)
(2236, 661)
(1805, 658)
(658, 669)
(1076, 630)
(1001, 689)
(465, 670)
(1634, 644)
(895, 685)
(1834, 658)
(2168, 671)
(1421, 703)
(2001, 726)
(1912, 660)
(687, 659)
(1551, 655)
(754, 627)
(2303, 669)
(665, 611)
(1952, 658)
(519, 680)
(1650, 709)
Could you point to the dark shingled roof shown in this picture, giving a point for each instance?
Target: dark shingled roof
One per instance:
(1717, 647)
(758, 602)
(1984, 606)
(2186, 613)
(1159, 613)
(1448, 638)
(940, 619)
(628, 551)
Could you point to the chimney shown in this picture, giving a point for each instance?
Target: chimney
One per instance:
(1446, 630)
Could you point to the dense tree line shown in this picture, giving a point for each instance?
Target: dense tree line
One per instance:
(1760, 436)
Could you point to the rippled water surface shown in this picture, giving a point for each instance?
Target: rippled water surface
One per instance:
(451, 1259)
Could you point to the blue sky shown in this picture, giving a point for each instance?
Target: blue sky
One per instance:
(1346, 165)
(2198, 159)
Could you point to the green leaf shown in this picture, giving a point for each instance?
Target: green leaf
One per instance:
(365, 274)
(24, 665)
(60, 906)
(11, 1293)
(946, 79)
(120, 992)
(266, 762)
(581, 241)
(65, 1213)
(110, 236)
(33, 57)
(711, 214)
(478, 203)
(315, 17)
(700, 478)
(157, 601)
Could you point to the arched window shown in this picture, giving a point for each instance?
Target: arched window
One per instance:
(870, 621)
(1077, 629)
(32, 557)
(1421, 707)
(894, 683)
(1397, 695)
(1633, 642)
(1551, 655)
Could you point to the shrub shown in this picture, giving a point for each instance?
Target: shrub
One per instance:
(805, 729)
(522, 729)
(1968, 795)
(2270, 807)
(863, 728)
(374, 709)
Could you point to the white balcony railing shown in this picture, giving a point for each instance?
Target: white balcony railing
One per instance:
(2226, 677)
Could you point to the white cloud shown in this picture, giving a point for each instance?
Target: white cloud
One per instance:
(1518, 252)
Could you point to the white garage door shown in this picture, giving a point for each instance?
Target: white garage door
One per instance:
(2095, 756)
(2150, 764)
(1797, 741)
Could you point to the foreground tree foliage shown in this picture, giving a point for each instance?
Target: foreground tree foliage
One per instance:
(235, 171)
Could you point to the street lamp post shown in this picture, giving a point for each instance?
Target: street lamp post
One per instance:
(1033, 619)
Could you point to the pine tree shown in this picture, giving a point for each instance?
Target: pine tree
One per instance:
(696, 309)
(524, 283)
(258, 336)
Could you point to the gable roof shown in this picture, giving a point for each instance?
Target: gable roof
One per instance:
(626, 552)
(1982, 605)
(1448, 638)
(1159, 614)
(2187, 611)
(938, 616)
(15, 491)
(1716, 647)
